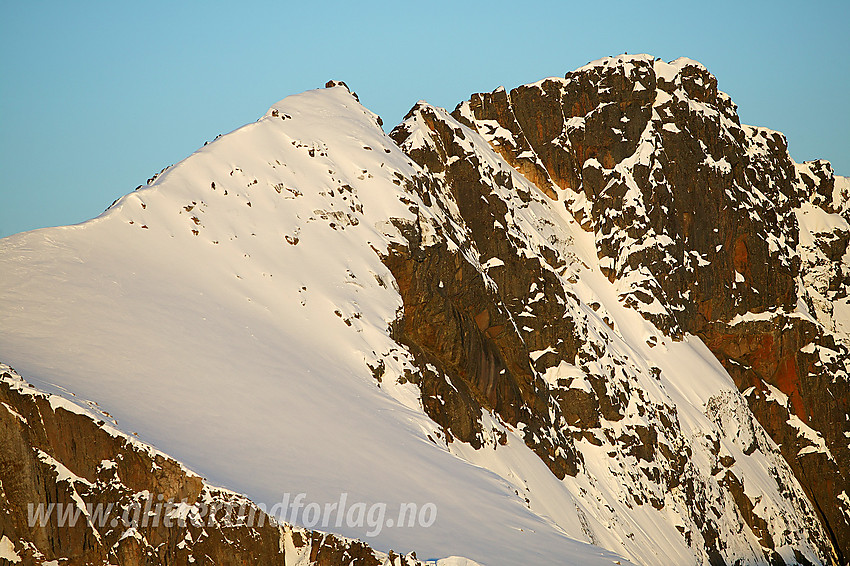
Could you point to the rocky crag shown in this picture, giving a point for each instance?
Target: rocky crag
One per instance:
(711, 226)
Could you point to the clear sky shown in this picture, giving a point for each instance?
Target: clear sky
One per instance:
(95, 97)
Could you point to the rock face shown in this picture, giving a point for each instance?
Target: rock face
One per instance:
(654, 160)
(106, 498)
(626, 312)
(696, 216)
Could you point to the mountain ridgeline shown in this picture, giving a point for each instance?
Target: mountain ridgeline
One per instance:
(601, 300)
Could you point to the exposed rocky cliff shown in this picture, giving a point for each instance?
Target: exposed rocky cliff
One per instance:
(696, 218)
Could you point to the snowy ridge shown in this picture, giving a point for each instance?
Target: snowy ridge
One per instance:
(264, 309)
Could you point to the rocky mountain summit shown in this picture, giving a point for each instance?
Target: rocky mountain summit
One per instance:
(593, 319)
(707, 227)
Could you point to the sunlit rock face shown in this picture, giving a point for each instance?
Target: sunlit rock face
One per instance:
(695, 220)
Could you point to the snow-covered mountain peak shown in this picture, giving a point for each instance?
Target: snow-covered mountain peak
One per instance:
(592, 312)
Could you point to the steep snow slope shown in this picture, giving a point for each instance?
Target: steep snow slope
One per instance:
(228, 312)
(66, 457)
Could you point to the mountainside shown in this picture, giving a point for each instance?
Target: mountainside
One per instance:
(592, 319)
(120, 517)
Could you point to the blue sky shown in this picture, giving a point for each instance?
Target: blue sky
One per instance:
(95, 97)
